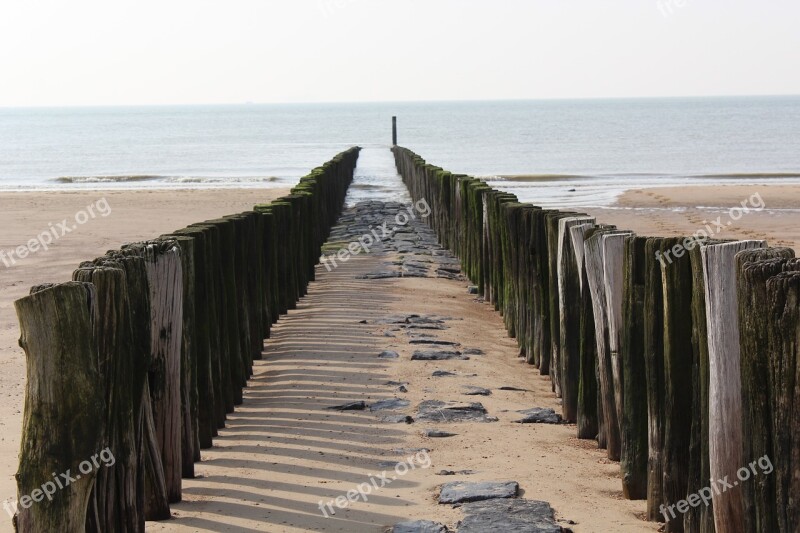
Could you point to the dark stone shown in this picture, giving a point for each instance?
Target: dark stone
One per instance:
(396, 419)
(438, 355)
(476, 391)
(388, 354)
(419, 526)
(455, 472)
(472, 289)
(434, 342)
(509, 516)
(402, 388)
(391, 404)
(352, 406)
(474, 351)
(437, 411)
(443, 373)
(513, 389)
(539, 415)
(471, 491)
(437, 434)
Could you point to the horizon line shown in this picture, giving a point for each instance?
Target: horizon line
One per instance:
(420, 101)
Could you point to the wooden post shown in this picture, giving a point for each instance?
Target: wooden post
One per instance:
(725, 391)
(394, 131)
(755, 268)
(633, 398)
(63, 373)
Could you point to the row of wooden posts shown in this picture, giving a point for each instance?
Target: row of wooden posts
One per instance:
(147, 351)
(685, 370)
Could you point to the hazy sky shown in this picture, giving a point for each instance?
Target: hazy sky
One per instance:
(100, 52)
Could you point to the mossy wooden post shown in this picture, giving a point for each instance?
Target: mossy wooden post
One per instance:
(569, 300)
(700, 518)
(676, 273)
(654, 369)
(783, 294)
(634, 420)
(114, 497)
(755, 268)
(541, 291)
(587, 420)
(552, 224)
(725, 392)
(64, 420)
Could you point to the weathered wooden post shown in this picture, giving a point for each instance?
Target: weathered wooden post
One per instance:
(783, 293)
(64, 421)
(755, 268)
(633, 399)
(394, 131)
(725, 391)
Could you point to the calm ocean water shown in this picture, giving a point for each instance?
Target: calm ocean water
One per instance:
(596, 147)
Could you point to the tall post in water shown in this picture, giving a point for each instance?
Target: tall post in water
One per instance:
(394, 131)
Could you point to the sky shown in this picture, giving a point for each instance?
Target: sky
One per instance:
(125, 52)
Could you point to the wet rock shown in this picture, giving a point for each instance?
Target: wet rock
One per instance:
(509, 516)
(443, 373)
(474, 351)
(437, 434)
(391, 404)
(352, 406)
(388, 354)
(472, 491)
(513, 389)
(438, 355)
(471, 390)
(539, 415)
(419, 526)
(438, 411)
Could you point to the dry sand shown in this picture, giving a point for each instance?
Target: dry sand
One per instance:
(281, 454)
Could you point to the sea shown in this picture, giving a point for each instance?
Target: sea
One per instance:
(555, 153)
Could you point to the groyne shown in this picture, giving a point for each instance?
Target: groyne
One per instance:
(136, 363)
(678, 355)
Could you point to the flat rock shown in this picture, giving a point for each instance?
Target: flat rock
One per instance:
(388, 354)
(443, 373)
(539, 415)
(475, 491)
(390, 404)
(513, 389)
(471, 390)
(474, 351)
(455, 472)
(472, 289)
(352, 406)
(436, 342)
(509, 516)
(438, 355)
(419, 526)
(438, 434)
(438, 411)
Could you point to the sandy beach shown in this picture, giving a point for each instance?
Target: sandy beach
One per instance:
(573, 476)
